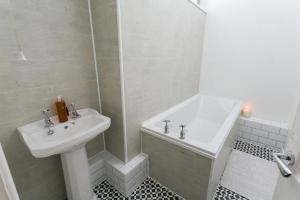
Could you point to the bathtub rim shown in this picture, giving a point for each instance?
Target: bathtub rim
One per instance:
(226, 127)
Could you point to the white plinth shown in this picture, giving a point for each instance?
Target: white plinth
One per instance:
(77, 177)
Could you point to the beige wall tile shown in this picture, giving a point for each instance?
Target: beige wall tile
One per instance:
(107, 50)
(55, 36)
(162, 48)
(162, 45)
(181, 170)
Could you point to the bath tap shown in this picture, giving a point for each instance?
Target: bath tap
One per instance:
(182, 132)
(167, 127)
(284, 161)
(47, 120)
(74, 112)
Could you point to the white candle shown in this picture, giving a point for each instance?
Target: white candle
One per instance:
(246, 111)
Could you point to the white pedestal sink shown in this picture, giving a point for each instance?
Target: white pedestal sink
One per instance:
(69, 141)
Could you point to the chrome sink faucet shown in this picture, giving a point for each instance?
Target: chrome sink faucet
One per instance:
(47, 120)
(74, 112)
(167, 127)
(48, 123)
(182, 132)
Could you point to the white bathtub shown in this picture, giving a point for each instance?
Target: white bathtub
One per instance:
(208, 122)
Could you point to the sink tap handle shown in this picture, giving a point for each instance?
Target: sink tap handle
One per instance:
(182, 132)
(74, 112)
(47, 119)
(167, 127)
(46, 112)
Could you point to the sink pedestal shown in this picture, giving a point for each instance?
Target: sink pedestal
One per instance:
(77, 177)
(68, 140)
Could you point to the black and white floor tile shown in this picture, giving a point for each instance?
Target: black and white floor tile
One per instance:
(106, 191)
(148, 190)
(152, 190)
(223, 193)
(255, 150)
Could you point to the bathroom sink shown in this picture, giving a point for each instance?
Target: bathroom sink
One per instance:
(67, 136)
(68, 140)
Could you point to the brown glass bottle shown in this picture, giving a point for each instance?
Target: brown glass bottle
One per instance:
(61, 110)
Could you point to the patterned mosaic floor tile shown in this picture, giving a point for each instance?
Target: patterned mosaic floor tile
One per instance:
(152, 190)
(255, 150)
(148, 190)
(223, 193)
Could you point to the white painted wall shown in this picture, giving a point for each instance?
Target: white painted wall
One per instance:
(295, 108)
(252, 52)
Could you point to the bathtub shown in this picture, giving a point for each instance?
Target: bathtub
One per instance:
(210, 131)
(208, 122)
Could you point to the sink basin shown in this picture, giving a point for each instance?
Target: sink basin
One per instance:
(69, 141)
(67, 136)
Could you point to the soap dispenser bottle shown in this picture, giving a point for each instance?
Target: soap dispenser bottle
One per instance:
(61, 109)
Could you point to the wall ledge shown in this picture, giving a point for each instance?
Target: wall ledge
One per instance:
(264, 133)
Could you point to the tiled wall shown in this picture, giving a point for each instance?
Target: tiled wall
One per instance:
(190, 174)
(107, 50)
(162, 45)
(56, 39)
(125, 177)
(183, 171)
(161, 62)
(263, 133)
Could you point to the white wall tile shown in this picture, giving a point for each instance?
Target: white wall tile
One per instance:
(124, 177)
(267, 141)
(245, 129)
(252, 124)
(280, 145)
(262, 132)
(277, 137)
(250, 136)
(272, 129)
(283, 132)
(242, 122)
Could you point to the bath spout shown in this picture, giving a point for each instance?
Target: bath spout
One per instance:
(284, 161)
